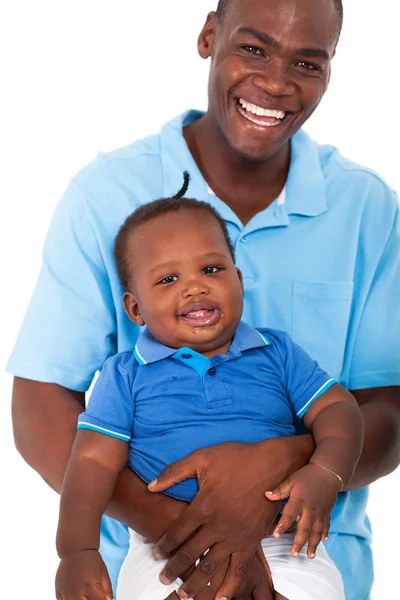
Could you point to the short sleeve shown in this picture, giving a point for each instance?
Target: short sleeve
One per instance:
(305, 380)
(69, 328)
(111, 406)
(375, 351)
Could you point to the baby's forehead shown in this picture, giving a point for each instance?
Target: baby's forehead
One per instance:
(171, 233)
(183, 223)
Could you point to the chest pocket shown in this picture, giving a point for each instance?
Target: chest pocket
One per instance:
(320, 318)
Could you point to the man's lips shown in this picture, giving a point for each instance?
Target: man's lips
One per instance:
(263, 116)
(200, 314)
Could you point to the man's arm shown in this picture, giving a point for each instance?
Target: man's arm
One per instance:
(381, 451)
(44, 419)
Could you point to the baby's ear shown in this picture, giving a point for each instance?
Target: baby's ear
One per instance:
(132, 308)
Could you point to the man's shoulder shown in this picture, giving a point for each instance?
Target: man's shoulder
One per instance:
(345, 171)
(115, 183)
(358, 186)
(136, 158)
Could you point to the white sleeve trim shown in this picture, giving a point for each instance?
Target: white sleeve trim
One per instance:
(317, 393)
(110, 431)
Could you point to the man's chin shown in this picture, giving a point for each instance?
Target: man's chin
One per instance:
(256, 153)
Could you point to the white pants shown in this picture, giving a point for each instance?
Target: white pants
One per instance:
(295, 578)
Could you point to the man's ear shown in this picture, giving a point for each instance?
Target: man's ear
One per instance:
(206, 38)
(239, 272)
(132, 309)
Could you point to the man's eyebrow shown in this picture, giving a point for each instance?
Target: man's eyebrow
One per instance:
(264, 38)
(313, 52)
(268, 40)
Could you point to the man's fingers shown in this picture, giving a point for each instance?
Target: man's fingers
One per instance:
(187, 468)
(289, 515)
(281, 492)
(203, 574)
(183, 528)
(303, 532)
(235, 575)
(185, 556)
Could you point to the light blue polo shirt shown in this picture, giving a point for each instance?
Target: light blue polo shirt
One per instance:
(166, 403)
(323, 266)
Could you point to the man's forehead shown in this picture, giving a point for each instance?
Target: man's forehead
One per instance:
(311, 19)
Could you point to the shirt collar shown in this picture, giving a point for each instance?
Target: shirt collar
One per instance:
(148, 350)
(305, 190)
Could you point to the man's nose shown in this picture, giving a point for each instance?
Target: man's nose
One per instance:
(275, 79)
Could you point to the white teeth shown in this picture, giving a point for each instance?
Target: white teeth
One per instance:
(256, 121)
(264, 112)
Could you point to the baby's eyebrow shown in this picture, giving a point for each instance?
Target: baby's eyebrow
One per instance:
(166, 265)
(174, 263)
(212, 255)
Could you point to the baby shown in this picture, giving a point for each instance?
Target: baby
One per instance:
(199, 376)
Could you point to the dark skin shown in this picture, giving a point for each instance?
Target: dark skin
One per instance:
(259, 53)
(238, 166)
(188, 292)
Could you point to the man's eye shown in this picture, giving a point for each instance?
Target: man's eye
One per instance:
(168, 279)
(253, 50)
(309, 66)
(211, 270)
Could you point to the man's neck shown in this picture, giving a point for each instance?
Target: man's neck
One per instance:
(247, 187)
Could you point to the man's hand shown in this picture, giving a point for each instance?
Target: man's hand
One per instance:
(83, 575)
(312, 493)
(256, 585)
(258, 580)
(230, 514)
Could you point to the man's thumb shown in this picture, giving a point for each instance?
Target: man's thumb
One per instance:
(174, 473)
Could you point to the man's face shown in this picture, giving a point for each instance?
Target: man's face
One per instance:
(185, 286)
(270, 69)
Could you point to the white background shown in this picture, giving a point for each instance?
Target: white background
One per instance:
(87, 75)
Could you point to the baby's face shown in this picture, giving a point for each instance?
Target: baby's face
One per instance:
(184, 285)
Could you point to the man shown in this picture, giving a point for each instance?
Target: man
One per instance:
(317, 239)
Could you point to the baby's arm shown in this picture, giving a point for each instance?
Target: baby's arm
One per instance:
(337, 425)
(92, 472)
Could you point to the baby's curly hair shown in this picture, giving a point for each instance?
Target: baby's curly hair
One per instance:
(152, 210)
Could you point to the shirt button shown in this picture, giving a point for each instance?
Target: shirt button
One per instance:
(186, 356)
(212, 371)
(244, 239)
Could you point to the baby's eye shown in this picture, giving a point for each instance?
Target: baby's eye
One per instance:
(211, 270)
(168, 279)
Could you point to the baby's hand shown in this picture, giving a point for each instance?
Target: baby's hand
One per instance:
(312, 495)
(83, 575)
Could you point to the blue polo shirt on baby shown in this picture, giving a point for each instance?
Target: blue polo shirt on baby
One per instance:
(166, 403)
(322, 262)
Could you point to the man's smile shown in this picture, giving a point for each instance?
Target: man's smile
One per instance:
(265, 117)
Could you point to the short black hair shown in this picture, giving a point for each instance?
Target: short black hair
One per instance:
(223, 5)
(152, 210)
